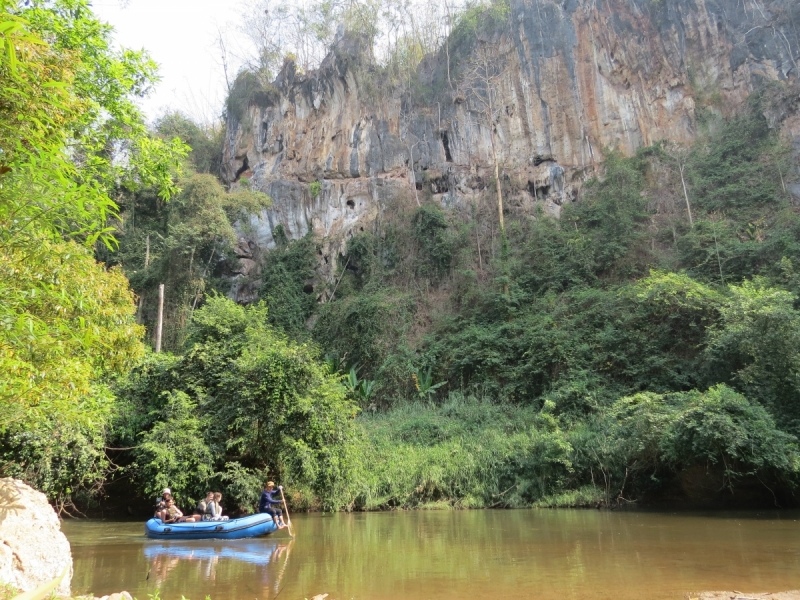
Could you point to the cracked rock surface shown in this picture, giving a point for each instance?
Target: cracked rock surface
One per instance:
(33, 550)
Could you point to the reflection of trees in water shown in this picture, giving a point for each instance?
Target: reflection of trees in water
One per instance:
(219, 569)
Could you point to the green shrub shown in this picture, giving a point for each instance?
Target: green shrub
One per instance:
(248, 90)
(754, 347)
(366, 328)
(205, 143)
(468, 453)
(730, 172)
(436, 245)
(643, 443)
(287, 280)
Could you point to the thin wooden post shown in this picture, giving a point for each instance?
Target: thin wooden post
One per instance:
(160, 325)
(146, 264)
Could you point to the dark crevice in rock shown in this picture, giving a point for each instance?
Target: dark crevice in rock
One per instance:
(440, 185)
(446, 144)
(245, 166)
(539, 192)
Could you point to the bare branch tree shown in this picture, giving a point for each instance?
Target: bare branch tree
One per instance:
(481, 81)
(679, 155)
(223, 51)
(447, 40)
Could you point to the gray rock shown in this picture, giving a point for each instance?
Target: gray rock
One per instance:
(33, 550)
(118, 596)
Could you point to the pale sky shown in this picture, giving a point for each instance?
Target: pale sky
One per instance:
(181, 36)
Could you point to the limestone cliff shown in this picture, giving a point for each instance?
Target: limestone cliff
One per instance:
(579, 77)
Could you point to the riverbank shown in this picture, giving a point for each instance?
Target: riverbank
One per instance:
(9, 593)
(471, 453)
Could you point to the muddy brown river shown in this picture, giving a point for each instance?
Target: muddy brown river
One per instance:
(491, 554)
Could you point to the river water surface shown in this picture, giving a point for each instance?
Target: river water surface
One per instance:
(543, 554)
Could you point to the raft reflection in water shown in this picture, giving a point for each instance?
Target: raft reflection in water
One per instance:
(210, 560)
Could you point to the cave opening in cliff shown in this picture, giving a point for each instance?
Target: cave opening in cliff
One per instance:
(539, 192)
(245, 166)
(446, 144)
(440, 185)
(351, 204)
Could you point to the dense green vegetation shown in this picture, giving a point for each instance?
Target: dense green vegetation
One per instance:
(624, 351)
(66, 322)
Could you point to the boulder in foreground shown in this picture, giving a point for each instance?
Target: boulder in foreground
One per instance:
(33, 550)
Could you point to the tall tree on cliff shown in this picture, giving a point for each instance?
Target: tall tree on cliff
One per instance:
(481, 81)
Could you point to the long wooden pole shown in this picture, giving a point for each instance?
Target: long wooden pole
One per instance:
(146, 264)
(286, 509)
(160, 324)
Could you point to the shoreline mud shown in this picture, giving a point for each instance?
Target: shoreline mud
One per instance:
(737, 595)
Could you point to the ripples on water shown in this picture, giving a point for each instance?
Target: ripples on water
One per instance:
(543, 554)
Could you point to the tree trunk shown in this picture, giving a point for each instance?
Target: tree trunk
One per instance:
(499, 196)
(447, 43)
(498, 183)
(496, 170)
(480, 258)
(413, 175)
(681, 167)
(160, 323)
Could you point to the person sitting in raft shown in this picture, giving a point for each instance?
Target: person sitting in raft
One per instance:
(266, 503)
(201, 509)
(174, 514)
(214, 509)
(208, 507)
(161, 504)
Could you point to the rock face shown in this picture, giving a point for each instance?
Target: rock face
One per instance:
(577, 78)
(33, 550)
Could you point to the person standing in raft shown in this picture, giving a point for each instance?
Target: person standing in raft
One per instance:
(267, 502)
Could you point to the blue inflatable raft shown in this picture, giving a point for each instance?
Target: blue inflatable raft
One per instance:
(246, 527)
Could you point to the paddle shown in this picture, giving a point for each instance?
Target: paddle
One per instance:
(286, 509)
